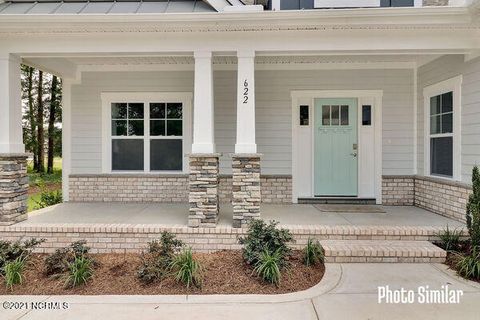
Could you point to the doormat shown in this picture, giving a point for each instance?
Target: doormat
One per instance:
(349, 208)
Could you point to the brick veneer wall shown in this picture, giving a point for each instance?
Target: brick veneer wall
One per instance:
(164, 188)
(105, 238)
(398, 190)
(447, 198)
(444, 197)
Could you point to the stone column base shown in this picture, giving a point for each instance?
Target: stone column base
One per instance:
(203, 190)
(13, 188)
(246, 195)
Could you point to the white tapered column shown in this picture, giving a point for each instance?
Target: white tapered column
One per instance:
(11, 139)
(203, 127)
(246, 103)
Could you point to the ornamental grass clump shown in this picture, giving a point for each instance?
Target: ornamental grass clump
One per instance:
(450, 239)
(313, 253)
(79, 271)
(58, 262)
(187, 269)
(10, 251)
(13, 272)
(468, 266)
(156, 261)
(267, 266)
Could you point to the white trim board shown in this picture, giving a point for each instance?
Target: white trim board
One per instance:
(455, 85)
(145, 97)
(306, 97)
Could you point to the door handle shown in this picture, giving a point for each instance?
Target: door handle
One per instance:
(354, 154)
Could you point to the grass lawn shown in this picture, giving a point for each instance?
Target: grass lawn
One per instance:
(37, 181)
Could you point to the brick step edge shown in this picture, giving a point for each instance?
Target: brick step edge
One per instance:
(378, 251)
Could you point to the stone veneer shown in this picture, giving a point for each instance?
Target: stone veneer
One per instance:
(398, 190)
(164, 188)
(13, 188)
(203, 190)
(444, 197)
(246, 195)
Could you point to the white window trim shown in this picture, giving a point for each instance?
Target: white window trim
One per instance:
(145, 97)
(454, 85)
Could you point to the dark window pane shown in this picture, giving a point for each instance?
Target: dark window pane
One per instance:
(441, 156)
(119, 111)
(174, 127)
(166, 154)
(157, 110)
(174, 110)
(127, 154)
(435, 123)
(157, 127)
(447, 123)
(447, 102)
(335, 115)
(304, 115)
(326, 115)
(434, 105)
(135, 111)
(119, 127)
(367, 115)
(135, 127)
(344, 115)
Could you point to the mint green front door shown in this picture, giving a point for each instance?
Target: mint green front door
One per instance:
(335, 147)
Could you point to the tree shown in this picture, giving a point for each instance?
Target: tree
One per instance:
(29, 123)
(40, 123)
(473, 210)
(54, 106)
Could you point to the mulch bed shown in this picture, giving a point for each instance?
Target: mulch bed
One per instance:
(224, 272)
(452, 257)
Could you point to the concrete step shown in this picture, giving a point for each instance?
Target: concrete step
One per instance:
(336, 200)
(382, 251)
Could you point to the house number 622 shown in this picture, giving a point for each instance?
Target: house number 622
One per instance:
(245, 92)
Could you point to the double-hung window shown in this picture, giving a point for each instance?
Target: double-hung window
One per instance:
(442, 129)
(146, 132)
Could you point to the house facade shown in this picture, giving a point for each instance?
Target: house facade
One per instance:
(210, 102)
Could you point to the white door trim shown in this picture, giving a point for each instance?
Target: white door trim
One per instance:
(300, 96)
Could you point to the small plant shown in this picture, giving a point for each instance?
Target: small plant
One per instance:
(268, 266)
(262, 236)
(450, 239)
(156, 262)
(10, 251)
(313, 253)
(48, 198)
(473, 209)
(186, 269)
(469, 266)
(14, 272)
(79, 271)
(59, 261)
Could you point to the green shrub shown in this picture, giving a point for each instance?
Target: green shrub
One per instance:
(262, 236)
(14, 271)
(186, 269)
(268, 266)
(10, 251)
(79, 271)
(313, 253)
(156, 262)
(59, 261)
(473, 209)
(450, 239)
(49, 198)
(468, 266)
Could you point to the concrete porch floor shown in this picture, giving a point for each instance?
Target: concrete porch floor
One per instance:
(176, 214)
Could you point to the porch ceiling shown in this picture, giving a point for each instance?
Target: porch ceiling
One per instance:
(67, 66)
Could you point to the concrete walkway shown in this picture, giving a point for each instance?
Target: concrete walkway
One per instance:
(348, 291)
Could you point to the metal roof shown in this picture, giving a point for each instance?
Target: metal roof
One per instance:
(103, 7)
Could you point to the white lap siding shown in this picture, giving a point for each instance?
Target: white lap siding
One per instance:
(273, 111)
(445, 68)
